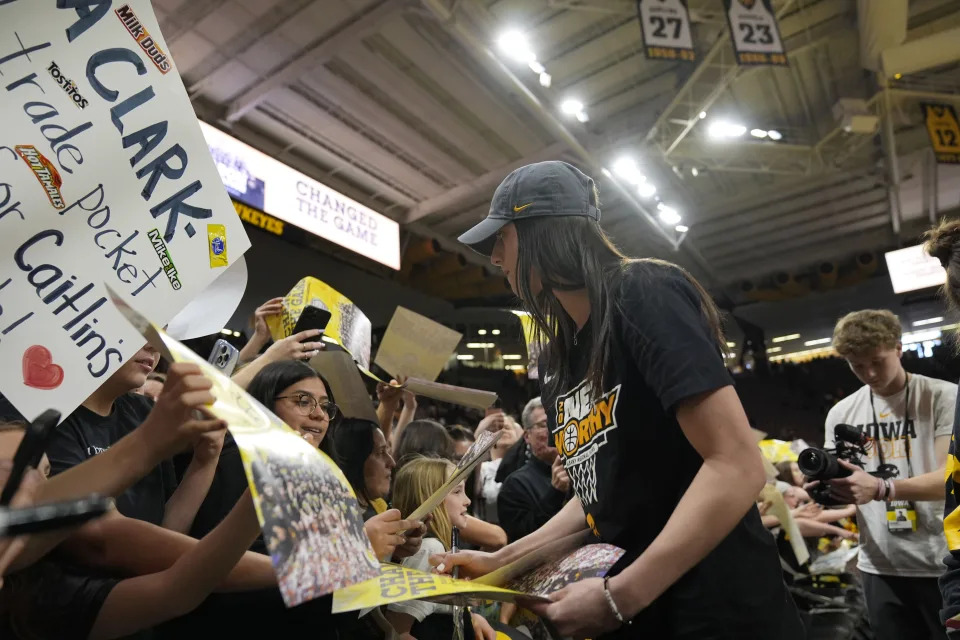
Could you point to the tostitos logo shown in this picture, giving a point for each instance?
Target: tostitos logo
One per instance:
(583, 427)
(46, 173)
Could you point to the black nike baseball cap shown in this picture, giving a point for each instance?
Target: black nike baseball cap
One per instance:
(551, 188)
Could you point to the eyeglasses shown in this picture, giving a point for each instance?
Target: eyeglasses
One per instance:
(306, 405)
(539, 425)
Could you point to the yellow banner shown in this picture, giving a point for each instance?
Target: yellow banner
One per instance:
(311, 521)
(400, 584)
(348, 325)
(944, 131)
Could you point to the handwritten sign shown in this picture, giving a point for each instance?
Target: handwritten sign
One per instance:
(104, 177)
(415, 346)
(257, 180)
(311, 520)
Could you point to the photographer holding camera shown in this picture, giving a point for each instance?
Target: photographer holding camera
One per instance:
(907, 420)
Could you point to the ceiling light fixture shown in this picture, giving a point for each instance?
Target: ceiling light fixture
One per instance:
(681, 228)
(583, 117)
(703, 114)
(546, 80)
(774, 349)
(758, 133)
(810, 343)
(512, 356)
(646, 189)
(536, 67)
(464, 356)
(626, 168)
(668, 214)
(920, 323)
(571, 106)
(514, 367)
(774, 135)
(495, 332)
(606, 172)
(481, 332)
(792, 336)
(723, 129)
(514, 44)
(480, 345)
(694, 172)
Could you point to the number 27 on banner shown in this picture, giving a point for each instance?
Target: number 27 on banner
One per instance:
(665, 25)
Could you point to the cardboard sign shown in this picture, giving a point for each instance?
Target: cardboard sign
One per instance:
(348, 326)
(401, 584)
(311, 520)
(665, 25)
(415, 346)
(780, 509)
(944, 131)
(754, 32)
(351, 394)
(104, 177)
(473, 398)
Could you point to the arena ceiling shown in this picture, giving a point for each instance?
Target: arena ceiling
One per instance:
(412, 108)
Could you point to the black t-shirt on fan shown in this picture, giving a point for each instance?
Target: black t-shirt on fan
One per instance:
(85, 434)
(630, 463)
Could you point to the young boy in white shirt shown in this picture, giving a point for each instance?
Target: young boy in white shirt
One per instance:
(908, 419)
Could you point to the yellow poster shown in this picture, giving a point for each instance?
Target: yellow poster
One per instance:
(542, 574)
(415, 346)
(944, 131)
(348, 325)
(400, 584)
(533, 347)
(311, 521)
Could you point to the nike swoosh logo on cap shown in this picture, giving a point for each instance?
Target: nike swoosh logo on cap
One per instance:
(517, 209)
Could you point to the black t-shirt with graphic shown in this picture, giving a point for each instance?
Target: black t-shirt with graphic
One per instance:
(85, 434)
(630, 463)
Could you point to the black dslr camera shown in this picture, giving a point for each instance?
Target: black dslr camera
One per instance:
(824, 465)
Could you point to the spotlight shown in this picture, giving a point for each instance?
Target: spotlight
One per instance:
(571, 106)
(545, 80)
(722, 129)
(758, 133)
(646, 189)
(774, 134)
(668, 214)
(682, 228)
(514, 45)
(582, 116)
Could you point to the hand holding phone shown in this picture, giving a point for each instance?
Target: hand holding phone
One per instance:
(312, 317)
(50, 517)
(224, 357)
(36, 437)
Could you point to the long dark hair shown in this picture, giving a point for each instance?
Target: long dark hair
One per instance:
(570, 253)
(354, 444)
(423, 438)
(277, 376)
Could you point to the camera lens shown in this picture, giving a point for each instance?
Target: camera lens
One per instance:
(812, 462)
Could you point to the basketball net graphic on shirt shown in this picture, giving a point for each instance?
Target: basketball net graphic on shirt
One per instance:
(582, 428)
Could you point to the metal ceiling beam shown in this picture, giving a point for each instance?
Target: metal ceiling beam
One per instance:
(717, 71)
(313, 56)
(467, 192)
(499, 70)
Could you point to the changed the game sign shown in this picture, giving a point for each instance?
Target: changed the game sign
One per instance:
(666, 29)
(754, 32)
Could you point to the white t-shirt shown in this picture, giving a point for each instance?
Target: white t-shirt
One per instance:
(420, 609)
(916, 554)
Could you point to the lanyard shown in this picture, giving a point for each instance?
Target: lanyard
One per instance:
(906, 419)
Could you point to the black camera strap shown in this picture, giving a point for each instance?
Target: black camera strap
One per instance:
(906, 419)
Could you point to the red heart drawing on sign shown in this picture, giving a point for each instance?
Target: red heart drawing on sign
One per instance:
(39, 371)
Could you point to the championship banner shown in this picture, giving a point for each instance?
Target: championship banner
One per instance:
(348, 326)
(754, 32)
(944, 131)
(665, 25)
(312, 523)
(105, 177)
(533, 347)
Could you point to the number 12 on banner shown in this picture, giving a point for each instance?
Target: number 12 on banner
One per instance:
(665, 25)
(944, 130)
